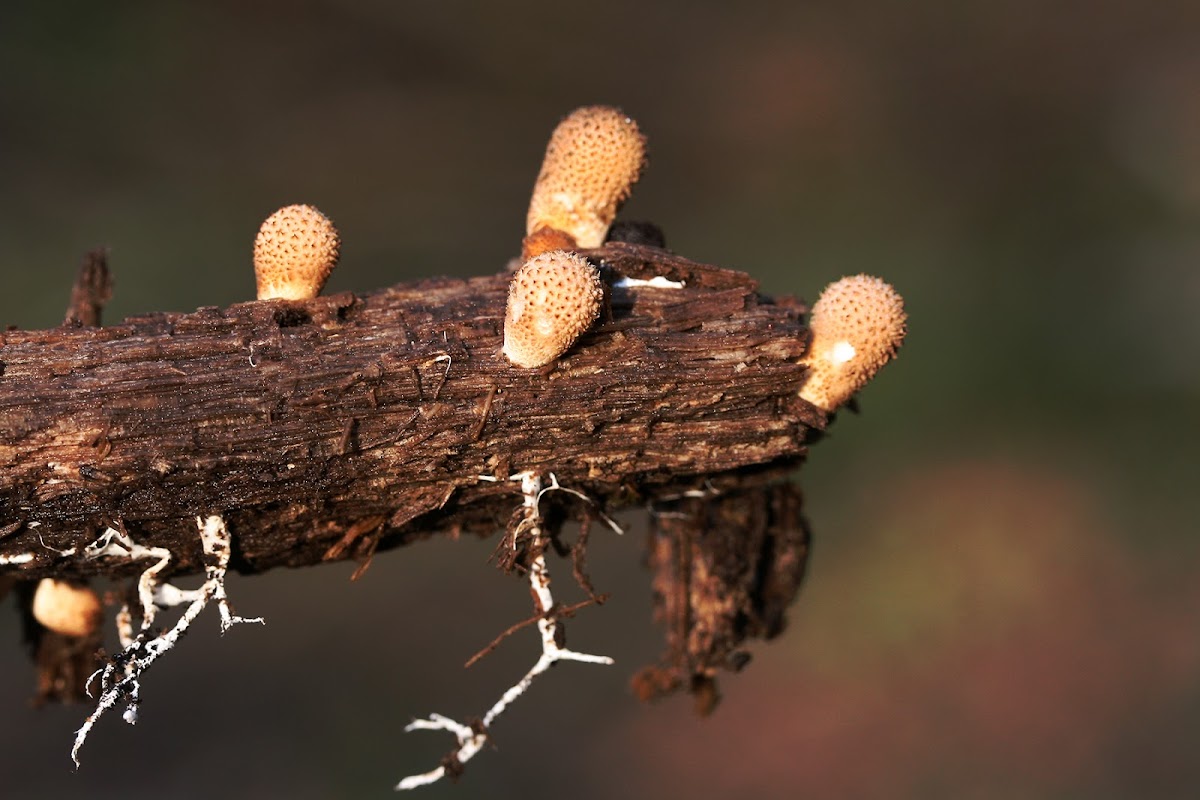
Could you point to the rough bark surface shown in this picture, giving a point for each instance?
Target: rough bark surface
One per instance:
(325, 428)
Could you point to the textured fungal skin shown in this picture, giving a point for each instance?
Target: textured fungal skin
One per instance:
(858, 324)
(552, 300)
(65, 608)
(595, 156)
(296, 249)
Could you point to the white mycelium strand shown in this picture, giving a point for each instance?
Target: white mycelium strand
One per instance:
(471, 739)
(120, 679)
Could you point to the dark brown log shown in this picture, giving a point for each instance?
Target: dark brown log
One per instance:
(356, 421)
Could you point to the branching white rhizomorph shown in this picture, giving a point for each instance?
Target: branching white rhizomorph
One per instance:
(472, 738)
(120, 680)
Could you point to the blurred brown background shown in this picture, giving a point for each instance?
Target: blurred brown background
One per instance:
(1004, 598)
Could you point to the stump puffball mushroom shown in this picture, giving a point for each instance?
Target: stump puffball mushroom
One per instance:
(552, 300)
(858, 324)
(595, 156)
(66, 608)
(296, 249)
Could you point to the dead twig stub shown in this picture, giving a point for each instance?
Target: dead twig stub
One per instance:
(91, 291)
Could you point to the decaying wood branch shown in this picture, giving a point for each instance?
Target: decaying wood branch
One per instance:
(350, 421)
(726, 567)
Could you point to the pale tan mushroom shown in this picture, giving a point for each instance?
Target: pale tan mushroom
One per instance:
(552, 300)
(66, 608)
(296, 249)
(858, 324)
(595, 156)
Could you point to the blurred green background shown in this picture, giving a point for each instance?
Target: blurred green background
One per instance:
(1004, 597)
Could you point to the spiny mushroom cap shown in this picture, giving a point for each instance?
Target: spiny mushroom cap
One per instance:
(296, 249)
(858, 324)
(66, 609)
(552, 300)
(594, 158)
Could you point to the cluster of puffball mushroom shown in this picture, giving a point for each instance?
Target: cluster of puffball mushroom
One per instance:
(595, 156)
